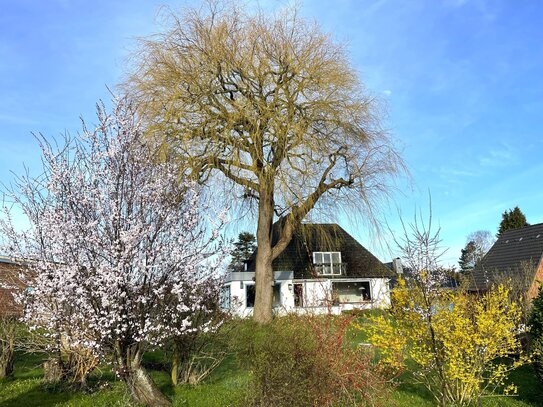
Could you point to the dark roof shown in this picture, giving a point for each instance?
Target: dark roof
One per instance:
(311, 237)
(516, 254)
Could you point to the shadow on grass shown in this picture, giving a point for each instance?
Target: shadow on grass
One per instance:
(409, 393)
(530, 389)
(35, 395)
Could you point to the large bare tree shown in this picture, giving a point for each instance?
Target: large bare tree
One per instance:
(271, 104)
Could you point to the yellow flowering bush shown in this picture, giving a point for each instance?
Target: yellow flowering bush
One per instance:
(459, 345)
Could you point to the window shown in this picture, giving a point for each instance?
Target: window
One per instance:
(250, 295)
(327, 263)
(298, 295)
(224, 298)
(352, 291)
(277, 295)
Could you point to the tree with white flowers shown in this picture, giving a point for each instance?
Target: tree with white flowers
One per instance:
(118, 246)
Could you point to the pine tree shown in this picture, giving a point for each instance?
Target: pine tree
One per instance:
(467, 258)
(512, 219)
(244, 247)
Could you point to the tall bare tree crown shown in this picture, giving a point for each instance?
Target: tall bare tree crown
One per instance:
(272, 103)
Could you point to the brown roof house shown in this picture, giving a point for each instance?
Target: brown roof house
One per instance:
(516, 257)
(10, 283)
(322, 269)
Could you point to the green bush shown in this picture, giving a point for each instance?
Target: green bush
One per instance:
(535, 324)
(308, 361)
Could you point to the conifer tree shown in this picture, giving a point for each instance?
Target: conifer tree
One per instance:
(243, 248)
(512, 219)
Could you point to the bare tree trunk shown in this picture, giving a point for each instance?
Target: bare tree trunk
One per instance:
(53, 371)
(262, 312)
(175, 367)
(142, 388)
(7, 344)
(6, 360)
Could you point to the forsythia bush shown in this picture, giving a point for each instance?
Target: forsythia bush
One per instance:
(461, 345)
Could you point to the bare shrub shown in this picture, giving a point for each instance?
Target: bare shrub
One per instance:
(309, 361)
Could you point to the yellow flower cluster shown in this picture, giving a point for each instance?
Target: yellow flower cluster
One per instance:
(460, 345)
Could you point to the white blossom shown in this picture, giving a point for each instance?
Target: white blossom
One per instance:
(118, 245)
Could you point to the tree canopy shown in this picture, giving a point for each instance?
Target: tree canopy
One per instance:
(274, 106)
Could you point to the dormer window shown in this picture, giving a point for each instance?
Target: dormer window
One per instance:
(327, 263)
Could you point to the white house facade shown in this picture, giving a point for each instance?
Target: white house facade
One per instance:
(320, 280)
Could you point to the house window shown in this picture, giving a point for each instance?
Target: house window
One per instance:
(298, 295)
(250, 292)
(250, 295)
(327, 263)
(351, 291)
(277, 295)
(224, 298)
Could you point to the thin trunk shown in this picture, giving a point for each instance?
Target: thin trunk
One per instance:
(7, 345)
(175, 365)
(6, 360)
(262, 312)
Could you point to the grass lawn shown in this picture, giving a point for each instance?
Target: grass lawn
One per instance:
(225, 387)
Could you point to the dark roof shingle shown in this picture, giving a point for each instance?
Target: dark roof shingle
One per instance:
(517, 253)
(310, 237)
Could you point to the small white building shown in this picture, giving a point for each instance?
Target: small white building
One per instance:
(323, 269)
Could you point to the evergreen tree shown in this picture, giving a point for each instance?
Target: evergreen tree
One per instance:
(478, 244)
(467, 258)
(512, 219)
(244, 247)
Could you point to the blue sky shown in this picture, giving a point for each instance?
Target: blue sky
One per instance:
(462, 81)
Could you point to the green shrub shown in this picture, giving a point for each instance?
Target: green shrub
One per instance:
(308, 361)
(535, 324)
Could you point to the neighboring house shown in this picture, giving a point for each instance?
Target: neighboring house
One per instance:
(10, 283)
(515, 258)
(322, 269)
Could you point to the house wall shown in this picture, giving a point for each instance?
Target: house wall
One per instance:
(317, 295)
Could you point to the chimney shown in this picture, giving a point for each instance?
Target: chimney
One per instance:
(397, 265)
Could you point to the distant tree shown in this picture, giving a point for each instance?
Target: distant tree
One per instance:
(477, 245)
(467, 257)
(512, 219)
(244, 247)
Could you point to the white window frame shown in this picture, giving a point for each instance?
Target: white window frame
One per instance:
(332, 268)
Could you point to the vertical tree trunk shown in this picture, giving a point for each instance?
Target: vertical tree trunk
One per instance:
(6, 360)
(7, 345)
(142, 388)
(262, 312)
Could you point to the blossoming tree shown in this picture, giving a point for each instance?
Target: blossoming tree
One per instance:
(117, 245)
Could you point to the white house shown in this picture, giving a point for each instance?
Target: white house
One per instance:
(323, 269)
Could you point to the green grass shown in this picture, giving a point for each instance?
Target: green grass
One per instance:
(225, 387)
